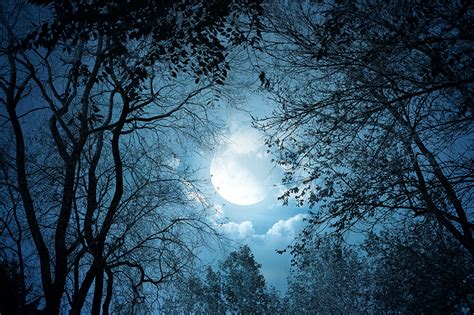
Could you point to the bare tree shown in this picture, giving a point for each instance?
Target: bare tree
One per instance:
(375, 111)
(114, 93)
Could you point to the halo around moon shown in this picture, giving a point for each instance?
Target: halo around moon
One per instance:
(239, 170)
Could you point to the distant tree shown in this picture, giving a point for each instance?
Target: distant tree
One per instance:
(276, 304)
(212, 295)
(375, 115)
(98, 98)
(419, 270)
(236, 288)
(243, 286)
(188, 297)
(328, 279)
(193, 294)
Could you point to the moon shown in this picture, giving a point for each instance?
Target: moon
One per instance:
(240, 169)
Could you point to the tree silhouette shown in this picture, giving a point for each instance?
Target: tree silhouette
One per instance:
(243, 286)
(328, 278)
(375, 112)
(419, 269)
(109, 88)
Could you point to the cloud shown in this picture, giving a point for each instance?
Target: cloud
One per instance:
(284, 230)
(281, 233)
(238, 230)
(287, 228)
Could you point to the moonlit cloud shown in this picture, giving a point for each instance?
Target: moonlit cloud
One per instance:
(287, 229)
(284, 230)
(281, 233)
(238, 231)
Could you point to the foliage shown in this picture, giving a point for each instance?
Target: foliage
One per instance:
(375, 111)
(213, 297)
(419, 269)
(236, 288)
(416, 269)
(243, 285)
(328, 279)
(189, 36)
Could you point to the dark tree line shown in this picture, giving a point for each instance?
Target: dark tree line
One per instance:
(414, 269)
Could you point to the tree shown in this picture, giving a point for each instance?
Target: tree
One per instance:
(243, 286)
(213, 296)
(419, 269)
(236, 288)
(93, 94)
(276, 304)
(328, 279)
(375, 112)
(195, 294)
(416, 268)
(190, 296)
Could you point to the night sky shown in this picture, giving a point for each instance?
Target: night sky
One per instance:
(267, 225)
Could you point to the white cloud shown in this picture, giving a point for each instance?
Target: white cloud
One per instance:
(287, 228)
(284, 230)
(238, 230)
(281, 233)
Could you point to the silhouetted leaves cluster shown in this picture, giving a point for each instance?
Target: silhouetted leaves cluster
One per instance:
(188, 35)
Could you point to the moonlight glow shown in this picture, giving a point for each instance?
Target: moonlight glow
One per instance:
(239, 171)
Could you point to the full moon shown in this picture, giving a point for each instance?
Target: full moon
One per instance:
(240, 169)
